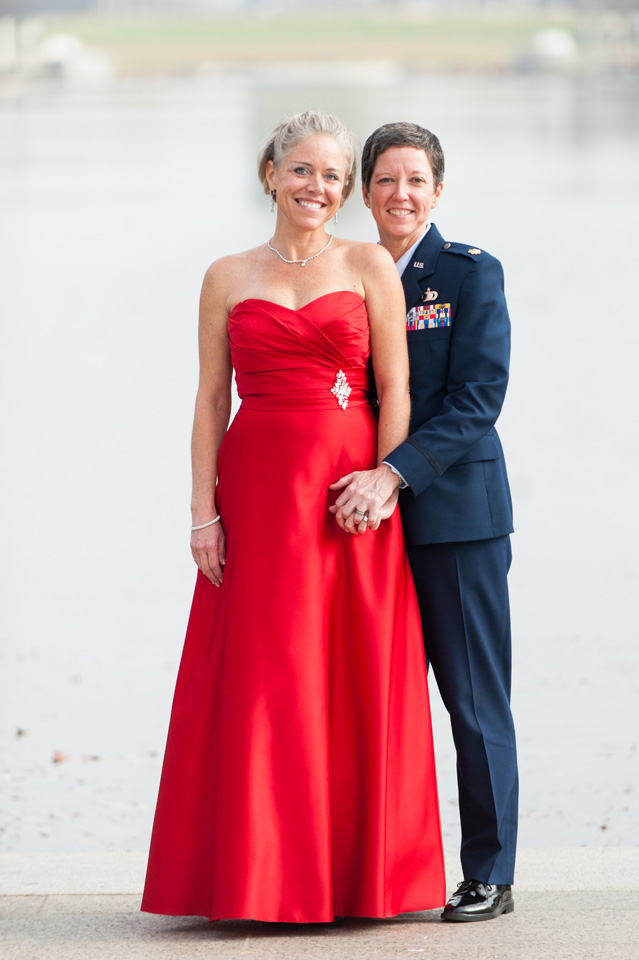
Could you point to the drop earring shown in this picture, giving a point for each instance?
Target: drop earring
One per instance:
(273, 196)
(336, 218)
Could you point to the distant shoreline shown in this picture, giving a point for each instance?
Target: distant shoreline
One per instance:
(147, 45)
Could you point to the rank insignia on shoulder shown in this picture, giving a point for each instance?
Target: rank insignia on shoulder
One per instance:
(418, 265)
(429, 295)
(474, 250)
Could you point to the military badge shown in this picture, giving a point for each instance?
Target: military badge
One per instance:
(429, 295)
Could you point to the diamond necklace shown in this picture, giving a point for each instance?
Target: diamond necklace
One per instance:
(303, 262)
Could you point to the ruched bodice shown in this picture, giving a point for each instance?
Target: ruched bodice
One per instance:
(287, 358)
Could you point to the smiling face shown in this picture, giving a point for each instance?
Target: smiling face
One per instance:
(401, 195)
(309, 181)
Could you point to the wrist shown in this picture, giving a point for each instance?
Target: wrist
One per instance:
(202, 514)
(390, 475)
(399, 479)
(203, 499)
(202, 526)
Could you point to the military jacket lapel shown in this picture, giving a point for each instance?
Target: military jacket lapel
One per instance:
(423, 264)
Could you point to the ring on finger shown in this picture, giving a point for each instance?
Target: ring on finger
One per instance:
(360, 513)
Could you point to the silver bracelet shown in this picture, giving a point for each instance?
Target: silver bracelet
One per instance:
(202, 525)
(402, 482)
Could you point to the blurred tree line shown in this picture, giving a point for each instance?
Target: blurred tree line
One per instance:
(28, 7)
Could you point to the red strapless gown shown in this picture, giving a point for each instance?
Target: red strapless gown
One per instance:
(298, 780)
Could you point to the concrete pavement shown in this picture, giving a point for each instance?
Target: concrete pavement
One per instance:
(571, 904)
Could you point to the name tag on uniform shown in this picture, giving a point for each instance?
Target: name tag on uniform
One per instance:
(429, 317)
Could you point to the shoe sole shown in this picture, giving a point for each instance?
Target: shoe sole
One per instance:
(507, 907)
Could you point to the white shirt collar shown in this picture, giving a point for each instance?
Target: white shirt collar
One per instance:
(405, 258)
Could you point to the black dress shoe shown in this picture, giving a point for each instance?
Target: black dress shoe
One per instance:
(475, 900)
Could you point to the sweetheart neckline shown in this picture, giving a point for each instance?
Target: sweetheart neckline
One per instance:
(274, 303)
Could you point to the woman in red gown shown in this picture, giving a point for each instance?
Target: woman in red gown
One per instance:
(298, 780)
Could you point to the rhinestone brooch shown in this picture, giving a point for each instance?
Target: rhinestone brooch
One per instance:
(341, 389)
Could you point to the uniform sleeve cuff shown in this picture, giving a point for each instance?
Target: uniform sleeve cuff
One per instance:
(412, 466)
(402, 482)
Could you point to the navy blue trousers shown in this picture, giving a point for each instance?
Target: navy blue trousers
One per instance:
(463, 598)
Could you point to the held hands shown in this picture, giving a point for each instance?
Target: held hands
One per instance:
(369, 497)
(208, 547)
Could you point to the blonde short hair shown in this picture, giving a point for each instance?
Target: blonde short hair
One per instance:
(294, 129)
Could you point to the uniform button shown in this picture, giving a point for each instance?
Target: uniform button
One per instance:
(447, 246)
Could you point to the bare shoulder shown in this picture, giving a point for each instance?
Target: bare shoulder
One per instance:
(224, 277)
(372, 263)
(368, 256)
(223, 271)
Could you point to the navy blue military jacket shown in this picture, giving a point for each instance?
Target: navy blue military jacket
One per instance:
(458, 333)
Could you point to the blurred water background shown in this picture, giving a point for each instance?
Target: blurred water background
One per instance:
(120, 181)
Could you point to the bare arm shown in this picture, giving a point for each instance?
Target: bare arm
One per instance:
(374, 492)
(387, 316)
(212, 412)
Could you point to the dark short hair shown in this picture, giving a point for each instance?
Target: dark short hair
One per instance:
(402, 135)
